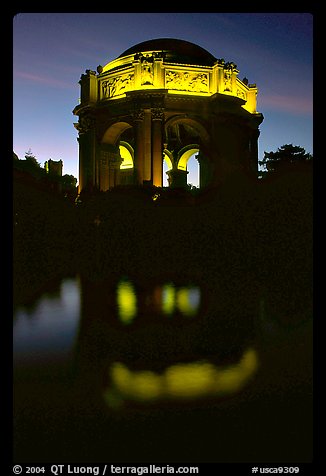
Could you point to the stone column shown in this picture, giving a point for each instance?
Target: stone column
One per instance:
(104, 183)
(86, 140)
(114, 162)
(253, 151)
(206, 168)
(109, 167)
(202, 171)
(157, 151)
(139, 146)
(147, 146)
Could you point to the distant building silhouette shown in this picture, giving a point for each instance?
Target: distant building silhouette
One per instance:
(165, 100)
(54, 167)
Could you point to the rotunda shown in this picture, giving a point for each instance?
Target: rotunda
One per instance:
(163, 101)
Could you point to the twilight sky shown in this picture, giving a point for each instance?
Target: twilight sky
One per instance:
(52, 50)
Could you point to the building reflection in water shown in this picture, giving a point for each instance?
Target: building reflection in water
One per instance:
(50, 327)
(179, 381)
(184, 299)
(133, 355)
(126, 301)
(152, 358)
(164, 299)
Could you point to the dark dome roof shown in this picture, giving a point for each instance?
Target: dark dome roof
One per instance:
(177, 51)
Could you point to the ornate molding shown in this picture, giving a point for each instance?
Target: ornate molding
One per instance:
(84, 124)
(138, 115)
(157, 114)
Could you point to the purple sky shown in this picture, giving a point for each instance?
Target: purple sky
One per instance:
(52, 50)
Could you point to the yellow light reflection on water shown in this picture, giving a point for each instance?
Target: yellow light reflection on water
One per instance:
(126, 301)
(189, 380)
(185, 299)
(144, 385)
(182, 381)
(168, 298)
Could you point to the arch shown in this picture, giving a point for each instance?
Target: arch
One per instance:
(185, 154)
(194, 172)
(113, 132)
(127, 155)
(194, 122)
(193, 168)
(168, 158)
(168, 163)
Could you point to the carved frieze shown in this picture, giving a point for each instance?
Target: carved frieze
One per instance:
(117, 85)
(186, 81)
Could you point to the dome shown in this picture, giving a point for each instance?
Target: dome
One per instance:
(176, 51)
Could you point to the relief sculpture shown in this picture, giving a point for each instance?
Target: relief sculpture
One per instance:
(147, 74)
(118, 85)
(185, 81)
(241, 94)
(227, 80)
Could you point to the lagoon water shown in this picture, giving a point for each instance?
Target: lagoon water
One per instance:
(166, 370)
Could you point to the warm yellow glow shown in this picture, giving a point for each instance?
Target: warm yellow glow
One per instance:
(185, 299)
(126, 301)
(187, 93)
(181, 381)
(127, 161)
(119, 62)
(168, 298)
(144, 385)
(127, 74)
(182, 164)
(190, 380)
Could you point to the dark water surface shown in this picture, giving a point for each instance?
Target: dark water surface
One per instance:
(160, 370)
(174, 330)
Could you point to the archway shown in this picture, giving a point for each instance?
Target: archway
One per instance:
(193, 167)
(126, 156)
(127, 164)
(189, 163)
(112, 133)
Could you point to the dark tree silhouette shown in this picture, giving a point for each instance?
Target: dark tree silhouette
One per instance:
(286, 156)
(68, 181)
(31, 159)
(29, 165)
(29, 168)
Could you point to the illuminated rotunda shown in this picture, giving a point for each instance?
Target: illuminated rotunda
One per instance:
(165, 100)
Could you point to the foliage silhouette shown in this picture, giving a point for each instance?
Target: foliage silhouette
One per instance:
(286, 156)
(30, 170)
